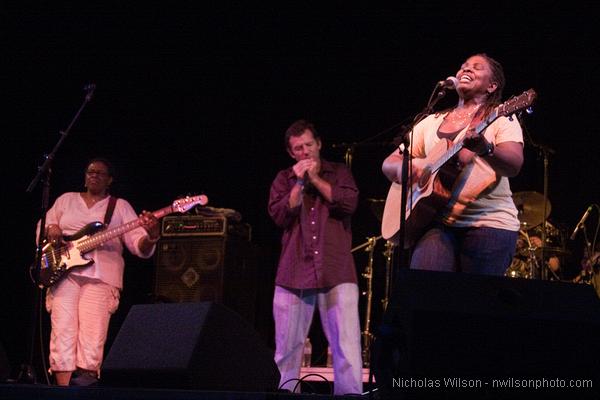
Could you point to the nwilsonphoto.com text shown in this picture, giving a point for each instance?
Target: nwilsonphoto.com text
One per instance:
(501, 383)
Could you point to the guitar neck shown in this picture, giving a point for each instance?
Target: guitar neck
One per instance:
(456, 147)
(97, 239)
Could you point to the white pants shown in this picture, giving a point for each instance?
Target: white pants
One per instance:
(80, 311)
(293, 311)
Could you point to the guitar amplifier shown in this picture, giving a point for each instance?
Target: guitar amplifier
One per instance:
(194, 225)
(206, 258)
(201, 225)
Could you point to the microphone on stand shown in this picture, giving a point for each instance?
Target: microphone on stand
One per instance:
(89, 88)
(581, 222)
(450, 83)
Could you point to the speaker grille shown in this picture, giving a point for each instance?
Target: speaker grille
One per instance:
(206, 268)
(190, 269)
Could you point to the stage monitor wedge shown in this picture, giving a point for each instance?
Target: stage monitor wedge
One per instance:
(201, 345)
(449, 325)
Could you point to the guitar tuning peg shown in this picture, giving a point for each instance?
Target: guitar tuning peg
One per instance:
(529, 110)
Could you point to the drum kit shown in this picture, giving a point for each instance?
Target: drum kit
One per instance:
(541, 247)
(539, 254)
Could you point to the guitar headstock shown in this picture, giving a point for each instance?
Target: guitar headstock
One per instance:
(186, 203)
(517, 103)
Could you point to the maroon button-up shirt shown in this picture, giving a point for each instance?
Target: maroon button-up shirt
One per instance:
(317, 237)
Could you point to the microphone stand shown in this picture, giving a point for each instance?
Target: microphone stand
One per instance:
(385, 355)
(349, 149)
(27, 372)
(543, 272)
(348, 154)
(437, 94)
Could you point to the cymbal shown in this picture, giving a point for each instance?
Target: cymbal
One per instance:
(530, 206)
(377, 206)
(549, 251)
(552, 252)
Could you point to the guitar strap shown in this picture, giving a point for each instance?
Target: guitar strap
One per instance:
(109, 210)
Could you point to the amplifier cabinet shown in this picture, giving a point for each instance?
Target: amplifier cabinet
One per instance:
(221, 269)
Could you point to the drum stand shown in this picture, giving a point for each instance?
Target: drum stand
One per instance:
(388, 253)
(369, 246)
(367, 336)
(531, 265)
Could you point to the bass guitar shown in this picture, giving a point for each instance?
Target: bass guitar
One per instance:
(58, 259)
(436, 188)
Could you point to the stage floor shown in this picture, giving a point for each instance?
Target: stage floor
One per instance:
(26, 391)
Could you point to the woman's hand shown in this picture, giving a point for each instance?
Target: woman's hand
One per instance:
(54, 234)
(150, 224)
(477, 144)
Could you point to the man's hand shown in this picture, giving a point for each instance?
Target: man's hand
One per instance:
(306, 166)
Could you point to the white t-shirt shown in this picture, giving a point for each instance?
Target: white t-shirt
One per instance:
(494, 207)
(71, 213)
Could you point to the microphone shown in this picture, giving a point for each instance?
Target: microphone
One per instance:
(307, 184)
(89, 89)
(581, 222)
(450, 83)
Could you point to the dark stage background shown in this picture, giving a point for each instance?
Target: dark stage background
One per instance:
(196, 99)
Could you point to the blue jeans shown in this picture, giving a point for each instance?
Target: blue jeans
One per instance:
(485, 251)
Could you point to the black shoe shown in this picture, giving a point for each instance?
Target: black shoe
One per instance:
(84, 378)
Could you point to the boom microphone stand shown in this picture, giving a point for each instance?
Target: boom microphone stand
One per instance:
(545, 268)
(404, 144)
(542, 273)
(385, 357)
(27, 372)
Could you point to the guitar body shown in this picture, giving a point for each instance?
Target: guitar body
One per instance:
(430, 191)
(473, 180)
(58, 260)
